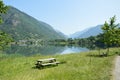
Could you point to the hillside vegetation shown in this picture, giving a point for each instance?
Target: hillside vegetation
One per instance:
(22, 26)
(83, 66)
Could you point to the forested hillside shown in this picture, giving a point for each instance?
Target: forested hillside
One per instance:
(22, 26)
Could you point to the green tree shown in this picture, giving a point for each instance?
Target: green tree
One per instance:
(109, 32)
(117, 40)
(5, 39)
(117, 37)
(3, 9)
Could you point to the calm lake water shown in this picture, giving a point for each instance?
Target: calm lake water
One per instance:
(29, 50)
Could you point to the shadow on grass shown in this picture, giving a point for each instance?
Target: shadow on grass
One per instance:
(45, 67)
(103, 54)
(98, 55)
(117, 53)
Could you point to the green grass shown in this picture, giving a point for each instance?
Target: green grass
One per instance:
(76, 67)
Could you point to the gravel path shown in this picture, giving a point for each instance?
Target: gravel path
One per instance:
(117, 69)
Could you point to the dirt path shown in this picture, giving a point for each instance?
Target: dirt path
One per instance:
(117, 69)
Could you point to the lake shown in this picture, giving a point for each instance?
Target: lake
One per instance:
(29, 50)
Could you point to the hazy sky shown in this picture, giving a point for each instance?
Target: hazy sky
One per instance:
(69, 16)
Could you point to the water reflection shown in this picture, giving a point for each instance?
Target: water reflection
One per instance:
(28, 50)
(74, 49)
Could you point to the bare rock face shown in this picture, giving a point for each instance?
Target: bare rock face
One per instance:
(15, 22)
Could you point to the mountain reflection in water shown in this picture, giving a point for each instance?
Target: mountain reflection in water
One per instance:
(29, 50)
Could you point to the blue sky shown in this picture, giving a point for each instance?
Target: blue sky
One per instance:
(69, 16)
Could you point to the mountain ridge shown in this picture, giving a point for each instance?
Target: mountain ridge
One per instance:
(23, 26)
(92, 31)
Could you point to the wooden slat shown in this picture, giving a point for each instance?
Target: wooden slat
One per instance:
(46, 64)
(43, 60)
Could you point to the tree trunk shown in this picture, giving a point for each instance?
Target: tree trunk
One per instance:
(99, 51)
(107, 53)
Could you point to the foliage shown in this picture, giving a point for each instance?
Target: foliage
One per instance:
(109, 32)
(3, 9)
(117, 37)
(5, 39)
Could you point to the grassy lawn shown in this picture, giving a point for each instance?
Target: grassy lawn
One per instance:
(76, 67)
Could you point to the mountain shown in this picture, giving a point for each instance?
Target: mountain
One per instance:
(76, 34)
(93, 31)
(61, 34)
(22, 26)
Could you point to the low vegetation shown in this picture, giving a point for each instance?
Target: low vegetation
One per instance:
(83, 66)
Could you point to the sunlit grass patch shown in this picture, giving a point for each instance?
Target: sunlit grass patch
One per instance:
(74, 67)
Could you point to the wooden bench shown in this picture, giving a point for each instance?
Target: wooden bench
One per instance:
(46, 62)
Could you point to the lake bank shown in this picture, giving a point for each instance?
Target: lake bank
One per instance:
(76, 67)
